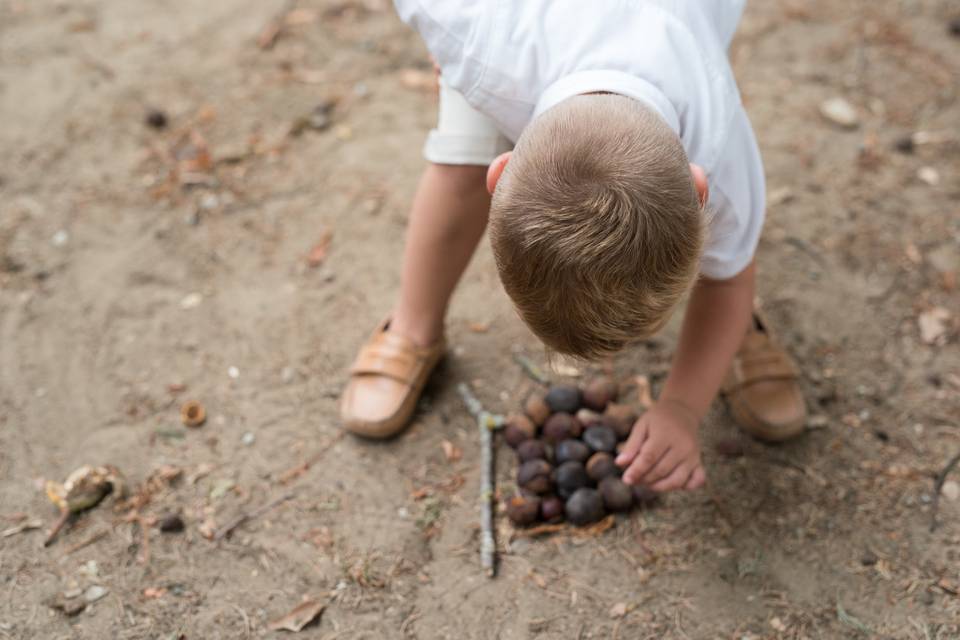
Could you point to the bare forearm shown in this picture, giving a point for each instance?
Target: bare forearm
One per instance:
(716, 320)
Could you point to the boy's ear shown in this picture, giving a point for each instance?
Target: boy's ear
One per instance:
(495, 170)
(699, 181)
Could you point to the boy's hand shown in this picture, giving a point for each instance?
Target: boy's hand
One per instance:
(663, 450)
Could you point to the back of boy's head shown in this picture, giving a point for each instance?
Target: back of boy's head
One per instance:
(596, 224)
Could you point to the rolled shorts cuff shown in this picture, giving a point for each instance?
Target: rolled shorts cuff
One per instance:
(457, 148)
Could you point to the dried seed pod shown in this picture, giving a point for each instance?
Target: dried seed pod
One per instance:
(601, 465)
(532, 450)
(644, 497)
(523, 510)
(601, 438)
(192, 413)
(571, 450)
(534, 476)
(518, 428)
(584, 506)
(569, 477)
(561, 426)
(588, 418)
(536, 408)
(620, 418)
(616, 495)
(599, 392)
(563, 397)
(551, 509)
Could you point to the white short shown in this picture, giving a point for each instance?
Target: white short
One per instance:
(463, 134)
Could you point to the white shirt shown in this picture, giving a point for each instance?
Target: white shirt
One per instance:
(514, 59)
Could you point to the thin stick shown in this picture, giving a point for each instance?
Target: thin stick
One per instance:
(304, 466)
(86, 543)
(64, 518)
(487, 423)
(938, 487)
(228, 528)
(533, 371)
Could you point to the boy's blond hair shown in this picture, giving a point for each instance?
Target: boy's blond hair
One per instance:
(596, 225)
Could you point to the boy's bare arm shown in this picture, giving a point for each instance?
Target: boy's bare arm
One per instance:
(663, 450)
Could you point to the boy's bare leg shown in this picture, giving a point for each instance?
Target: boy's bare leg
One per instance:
(447, 220)
(448, 217)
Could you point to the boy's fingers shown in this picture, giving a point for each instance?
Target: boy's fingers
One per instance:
(669, 462)
(635, 440)
(676, 480)
(697, 478)
(648, 458)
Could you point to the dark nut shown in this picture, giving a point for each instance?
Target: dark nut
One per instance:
(620, 418)
(192, 413)
(601, 465)
(561, 426)
(518, 428)
(536, 408)
(171, 524)
(599, 392)
(569, 477)
(563, 397)
(534, 476)
(531, 450)
(571, 450)
(523, 510)
(588, 418)
(601, 438)
(616, 495)
(156, 119)
(644, 496)
(585, 506)
(551, 509)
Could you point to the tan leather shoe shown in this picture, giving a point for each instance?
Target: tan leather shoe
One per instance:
(762, 388)
(385, 383)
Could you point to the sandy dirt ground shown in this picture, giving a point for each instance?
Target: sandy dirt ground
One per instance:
(141, 267)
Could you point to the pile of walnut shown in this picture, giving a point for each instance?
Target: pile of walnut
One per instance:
(566, 441)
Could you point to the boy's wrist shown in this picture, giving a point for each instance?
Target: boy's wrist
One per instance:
(685, 407)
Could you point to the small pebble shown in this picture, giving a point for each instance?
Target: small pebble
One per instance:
(94, 593)
(950, 490)
(191, 301)
(60, 238)
(929, 175)
(233, 372)
(248, 438)
(869, 559)
(840, 112)
(904, 144)
(730, 448)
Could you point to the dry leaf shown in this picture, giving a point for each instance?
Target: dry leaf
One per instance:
(299, 617)
(933, 324)
(319, 251)
(479, 327)
(618, 610)
(154, 592)
(451, 451)
(643, 391)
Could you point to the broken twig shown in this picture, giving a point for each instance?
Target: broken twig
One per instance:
(487, 423)
(938, 487)
(533, 371)
(228, 528)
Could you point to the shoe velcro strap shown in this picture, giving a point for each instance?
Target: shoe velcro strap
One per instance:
(759, 368)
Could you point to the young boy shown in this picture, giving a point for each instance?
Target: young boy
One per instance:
(623, 113)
